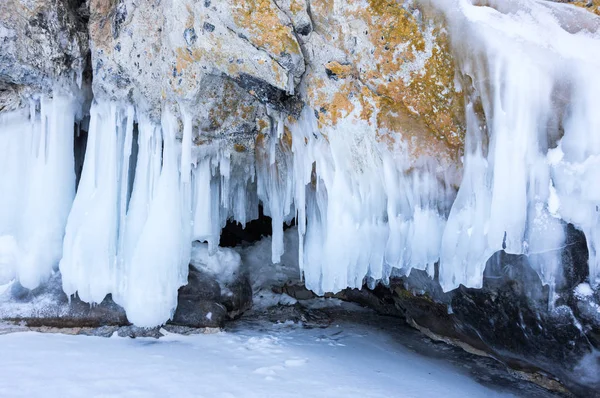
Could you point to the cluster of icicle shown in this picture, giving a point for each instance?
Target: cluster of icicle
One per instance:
(532, 159)
(532, 163)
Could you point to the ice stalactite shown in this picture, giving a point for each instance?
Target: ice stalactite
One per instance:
(531, 77)
(160, 257)
(37, 185)
(275, 181)
(134, 245)
(361, 209)
(364, 210)
(222, 189)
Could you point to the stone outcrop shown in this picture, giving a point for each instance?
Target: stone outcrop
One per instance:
(202, 303)
(44, 46)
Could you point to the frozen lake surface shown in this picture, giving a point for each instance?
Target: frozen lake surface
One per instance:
(252, 359)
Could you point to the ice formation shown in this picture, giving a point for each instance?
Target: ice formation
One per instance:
(37, 186)
(531, 162)
(135, 245)
(532, 72)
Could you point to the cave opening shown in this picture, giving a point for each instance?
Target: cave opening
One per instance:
(234, 234)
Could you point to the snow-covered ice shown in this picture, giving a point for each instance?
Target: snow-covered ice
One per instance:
(343, 361)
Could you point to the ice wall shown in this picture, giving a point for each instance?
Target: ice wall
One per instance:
(135, 216)
(135, 245)
(529, 73)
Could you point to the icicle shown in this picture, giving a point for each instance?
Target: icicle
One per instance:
(123, 201)
(90, 244)
(37, 184)
(159, 261)
(521, 54)
(203, 196)
(136, 247)
(275, 183)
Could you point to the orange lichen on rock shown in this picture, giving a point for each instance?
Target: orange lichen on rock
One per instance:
(593, 6)
(239, 148)
(431, 95)
(400, 78)
(332, 106)
(261, 19)
(296, 6)
(424, 87)
(338, 70)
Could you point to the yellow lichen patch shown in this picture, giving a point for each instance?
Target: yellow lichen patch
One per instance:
(286, 140)
(261, 19)
(189, 22)
(595, 7)
(431, 95)
(183, 59)
(262, 125)
(339, 70)
(239, 148)
(296, 6)
(332, 107)
(394, 34)
(413, 67)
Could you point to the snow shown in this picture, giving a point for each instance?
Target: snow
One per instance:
(583, 290)
(345, 361)
(264, 274)
(224, 264)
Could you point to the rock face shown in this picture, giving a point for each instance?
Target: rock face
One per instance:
(44, 46)
(204, 303)
(374, 61)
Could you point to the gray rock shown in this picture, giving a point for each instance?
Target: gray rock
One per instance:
(206, 302)
(199, 313)
(49, 306)
(44, 42)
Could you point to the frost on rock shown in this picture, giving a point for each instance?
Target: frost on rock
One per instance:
(224, 264)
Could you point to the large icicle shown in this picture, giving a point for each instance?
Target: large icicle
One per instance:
(89, 258)
(531, 74)
(136, 246)
(37, 185)
(159, 262)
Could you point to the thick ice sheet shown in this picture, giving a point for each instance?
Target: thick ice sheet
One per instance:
(334, 363)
